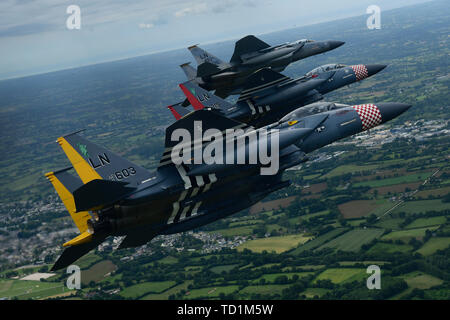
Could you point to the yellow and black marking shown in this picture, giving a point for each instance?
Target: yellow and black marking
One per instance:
(80, 218)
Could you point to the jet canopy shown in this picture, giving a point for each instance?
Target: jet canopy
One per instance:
(326, 68)
(296, 43)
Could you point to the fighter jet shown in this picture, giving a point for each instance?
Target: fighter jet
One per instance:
(250, 54)
(269, 95)
(200, 176)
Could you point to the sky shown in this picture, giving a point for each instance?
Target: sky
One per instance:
(35, 38)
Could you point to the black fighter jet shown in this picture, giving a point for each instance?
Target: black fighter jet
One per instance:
(250, 54)
(212, 166)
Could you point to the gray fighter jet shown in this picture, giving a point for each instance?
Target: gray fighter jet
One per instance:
(212, 167)
(268, 95)
(250, 54)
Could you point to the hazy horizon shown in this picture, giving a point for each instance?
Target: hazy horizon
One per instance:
(113, 30)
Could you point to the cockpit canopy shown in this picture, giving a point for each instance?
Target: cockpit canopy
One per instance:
(325, 68)
(295, 43)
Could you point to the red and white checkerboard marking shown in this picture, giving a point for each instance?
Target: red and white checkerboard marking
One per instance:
(369, 114)
(360, 71)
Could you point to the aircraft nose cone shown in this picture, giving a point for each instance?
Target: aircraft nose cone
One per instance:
(391, 110)
(333, 44)
(374, 68)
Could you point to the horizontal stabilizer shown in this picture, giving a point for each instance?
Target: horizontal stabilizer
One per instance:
(178, 110)
(73, 253)
(65, 184)
(82, 238)
(189, 70)
(247, 45)
(99, 193)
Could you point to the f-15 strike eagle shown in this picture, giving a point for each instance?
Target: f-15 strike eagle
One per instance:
(212, 167)
(250, 54)
(268, 95)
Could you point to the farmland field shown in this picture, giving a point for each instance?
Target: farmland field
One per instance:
(425, 222)
(408, 234)
(277, 244)
(353, 240)
(97, 272)
(226, 268)
(265, 289)
(359, 208)
(210, 292)
(270, 277)
(394, 181)
(340, 275)
(422, 206)
(434, 244)
(140, 289)
(165, 294)
(312, 244)
(381, 247)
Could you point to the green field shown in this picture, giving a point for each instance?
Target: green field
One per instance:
(26, 289)
(270, 277)
(312, 292)
(381, 247)
(344, 169)
(433, 245)
(406, 235)
(341, 275)
(97, 272)
(421, 280)
(238, 231)
(165, 294)
(422, 206)
(353, 240)
(312, 244)
(277, 244)
(265, 289)
(138, 290)
(392, 181)
(425, 222)
(88, 260)
(389, 223)
(210, 292)
(226, 268)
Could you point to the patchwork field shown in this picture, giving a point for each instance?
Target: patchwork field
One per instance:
(421, 280)
(312, 244)
(141, 289)
(226, 268)
(353, 240)
(425, 222)
(395, 181)
(422, 206)
(272, 276)
(271, 205)
(381, 247)
(397, 188)
(277, 244)
(97, 272)
(359, 208)
(26, 289)
(165, 294)
(406, 235)
(210, 292)
(341, 275)
(433, 245)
